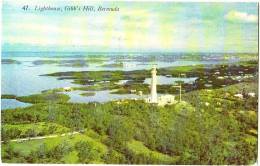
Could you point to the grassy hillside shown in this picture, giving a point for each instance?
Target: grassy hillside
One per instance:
(224, 131)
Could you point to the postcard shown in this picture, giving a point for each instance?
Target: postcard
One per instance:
(135, 82)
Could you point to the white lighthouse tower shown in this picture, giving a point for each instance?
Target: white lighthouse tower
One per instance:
(153, 86)
(162, 100)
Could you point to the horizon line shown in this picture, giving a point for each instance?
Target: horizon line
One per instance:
(194, 52)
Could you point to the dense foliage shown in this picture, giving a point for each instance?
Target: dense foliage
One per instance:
(224, 131)
(44, 98)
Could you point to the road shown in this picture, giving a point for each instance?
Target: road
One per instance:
(44, 137)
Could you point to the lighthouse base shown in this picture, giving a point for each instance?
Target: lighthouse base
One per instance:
(162, 100)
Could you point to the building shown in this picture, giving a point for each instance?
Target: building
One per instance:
(251, 94)
(166, 100)
(153, 86)
(161, 100)
(67, 89)
(239, 96)
(153, 96)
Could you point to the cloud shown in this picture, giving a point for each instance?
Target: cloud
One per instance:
(138, 26)
(236, 16)
(198, 21)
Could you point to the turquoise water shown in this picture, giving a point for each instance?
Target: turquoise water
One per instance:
(12, 103)
(100, 96)
(20, 79)
(163, 80)
(24, 79)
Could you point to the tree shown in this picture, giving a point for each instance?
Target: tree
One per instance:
(120, 131)
(30, 133)
(86, 152)
(74, 119)
(114, 157)
(59, 151)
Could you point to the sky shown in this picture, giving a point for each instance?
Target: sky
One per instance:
(136, 27)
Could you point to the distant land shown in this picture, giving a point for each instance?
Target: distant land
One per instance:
(122, 53)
